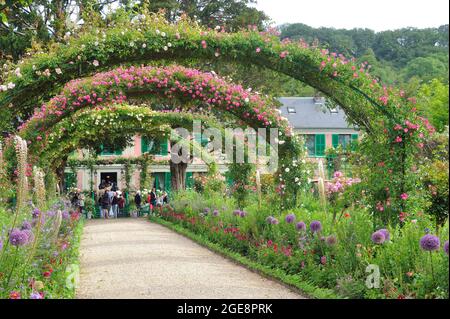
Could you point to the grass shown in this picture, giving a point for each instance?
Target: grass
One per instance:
(294, 282)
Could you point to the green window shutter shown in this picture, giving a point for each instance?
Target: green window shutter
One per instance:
(189, 180)
(156, 181)
(164, 150)
(320, 145)
(118, 152)
(354, 141)
(167, 182)
(335, 140)
(144, 145)
(229, 181)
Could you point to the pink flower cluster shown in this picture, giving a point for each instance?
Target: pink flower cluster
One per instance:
(174, 82)
(339, 183)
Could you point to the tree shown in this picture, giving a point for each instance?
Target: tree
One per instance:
(426, 68)
(433, 103)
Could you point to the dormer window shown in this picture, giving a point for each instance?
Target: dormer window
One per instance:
(291, 110)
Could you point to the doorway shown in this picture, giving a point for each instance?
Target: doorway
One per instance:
(109, 178)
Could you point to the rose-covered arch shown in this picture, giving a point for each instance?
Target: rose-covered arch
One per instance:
(152, 38)
(181, 88)
(387, 114)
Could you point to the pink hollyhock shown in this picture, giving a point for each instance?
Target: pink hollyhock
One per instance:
(258, 50)
(404, 196)
(398, 139)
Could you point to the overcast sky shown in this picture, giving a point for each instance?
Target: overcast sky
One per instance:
(377, 15)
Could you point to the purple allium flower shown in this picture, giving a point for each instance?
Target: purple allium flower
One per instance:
(35, 213)
(269, 219)
(206, 211)
(65, 214)
(315, 226)
(243, 214)
(301, 226)
(18, 237)
(275, 221)
(26, 225)
(290, 218)
(237, 212)
(1, 244)
(445, 247)
(216, 212)
(430, 242)
(386, 234)
(378, 237)
(323, 260)
(35, 295)
(331, 240)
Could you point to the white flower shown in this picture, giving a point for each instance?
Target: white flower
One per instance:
(169, 45)
(163, 34)
(3, 88)
(95, 63)
(157, 31)
(165, 48)
(17, 72)
(287, 170)
(144, 45)
(131, 44)
(11, 85)
(96, 43)
(281, 142)
(247, 100)
(217, 54)
(58, 71)
(218, 27)
(297, 179)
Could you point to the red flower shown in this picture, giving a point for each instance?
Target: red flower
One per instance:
(15, 295)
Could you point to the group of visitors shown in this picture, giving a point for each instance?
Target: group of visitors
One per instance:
(111, 202)
(153, 199)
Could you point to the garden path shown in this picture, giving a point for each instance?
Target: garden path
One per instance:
(133, 258)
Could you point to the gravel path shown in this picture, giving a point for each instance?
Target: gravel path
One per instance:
(133, 258)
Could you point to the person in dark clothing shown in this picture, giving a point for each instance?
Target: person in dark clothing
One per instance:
(138, 201)
(102, 184)
(106, 204)
(153, 199)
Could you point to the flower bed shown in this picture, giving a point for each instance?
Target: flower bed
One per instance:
(39, 253)
(412, 262)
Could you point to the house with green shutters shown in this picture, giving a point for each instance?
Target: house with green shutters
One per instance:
(321, 127)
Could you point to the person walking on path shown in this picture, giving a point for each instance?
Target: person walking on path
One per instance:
(106, 204)
(115, 204)
(153, 199)
(138, 201)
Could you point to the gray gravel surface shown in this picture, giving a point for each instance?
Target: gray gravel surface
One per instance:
(133, 258)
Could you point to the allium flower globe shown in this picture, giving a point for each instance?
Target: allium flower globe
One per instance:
(430, 242)
(300, 226)
(290, 218)
(378, 237)
(331, 240)
(315, 226)
(18, 237)
(445, 247)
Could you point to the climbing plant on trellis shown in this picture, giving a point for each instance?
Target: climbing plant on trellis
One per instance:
(387, 115)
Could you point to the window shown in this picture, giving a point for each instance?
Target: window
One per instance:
(334, 111)
(345, 140)
(311, 144)
(291, 110)
(315, 143)
(154, 147)
(109, 150)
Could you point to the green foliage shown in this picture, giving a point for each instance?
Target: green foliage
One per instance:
(433, 103)
(395, 56)
(338, 264)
